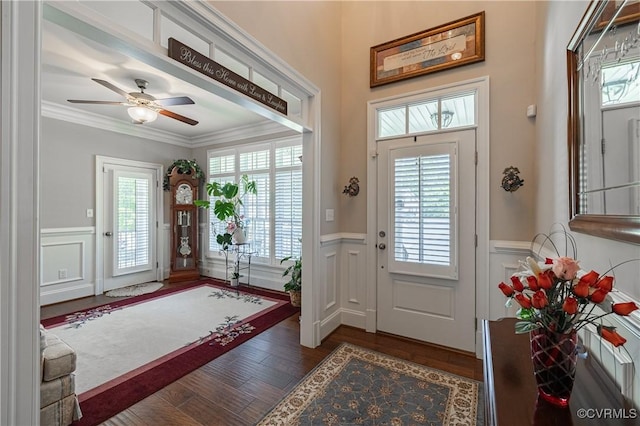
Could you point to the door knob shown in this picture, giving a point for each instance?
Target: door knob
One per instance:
(382, 246)
(108, 234)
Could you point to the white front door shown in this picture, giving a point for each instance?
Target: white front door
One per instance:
(129, 225)
(426, 238)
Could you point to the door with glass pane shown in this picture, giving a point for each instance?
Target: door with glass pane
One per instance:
(129, 218)
(426, 238)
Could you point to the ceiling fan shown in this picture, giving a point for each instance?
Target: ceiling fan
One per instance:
(143, 108)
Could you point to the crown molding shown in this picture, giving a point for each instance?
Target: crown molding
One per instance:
(267, 128)
(77, 116)
(85, 118)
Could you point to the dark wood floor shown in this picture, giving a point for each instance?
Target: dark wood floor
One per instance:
(241, 386)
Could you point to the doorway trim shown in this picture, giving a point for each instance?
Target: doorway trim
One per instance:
(100, 228)
(481, 86)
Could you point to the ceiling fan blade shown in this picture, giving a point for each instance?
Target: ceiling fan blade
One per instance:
(81, 101)
(178, 100)
(178, 117)
(111, 87)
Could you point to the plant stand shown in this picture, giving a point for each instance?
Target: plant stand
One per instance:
(237, 258)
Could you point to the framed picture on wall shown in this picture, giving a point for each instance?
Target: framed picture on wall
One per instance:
(447, 46)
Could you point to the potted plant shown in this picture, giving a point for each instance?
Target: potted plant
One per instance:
(294, 285)
(185, 167)
(235, 279)
(227, 208)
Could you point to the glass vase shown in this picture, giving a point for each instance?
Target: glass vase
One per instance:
(554, 364)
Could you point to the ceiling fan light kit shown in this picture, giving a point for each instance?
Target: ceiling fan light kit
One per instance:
(141, 115)
(143, 108)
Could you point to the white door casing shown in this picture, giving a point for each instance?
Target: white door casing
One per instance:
(117, 264)
(480, 86)
(426, 238)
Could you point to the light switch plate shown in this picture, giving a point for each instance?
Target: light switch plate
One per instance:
(329, 215)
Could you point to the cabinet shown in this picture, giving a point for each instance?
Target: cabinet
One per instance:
(184, 226)
(511, 392)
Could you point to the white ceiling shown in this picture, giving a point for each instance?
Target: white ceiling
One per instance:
(69, 61)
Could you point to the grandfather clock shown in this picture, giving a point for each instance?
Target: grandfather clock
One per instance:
(184, 226)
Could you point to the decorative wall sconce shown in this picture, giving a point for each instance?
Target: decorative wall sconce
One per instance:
(353, 188)
(511, 181)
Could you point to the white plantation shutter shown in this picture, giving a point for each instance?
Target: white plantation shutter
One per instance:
(133, 205)
(274, 215)
(257, 214)
(222, 169)
(424, 218)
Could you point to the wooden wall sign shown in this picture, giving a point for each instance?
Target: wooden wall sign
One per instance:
(447, 46)
(199, 62)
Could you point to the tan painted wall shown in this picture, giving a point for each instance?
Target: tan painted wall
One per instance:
(329, 43)
(509, 41)
(307, 36)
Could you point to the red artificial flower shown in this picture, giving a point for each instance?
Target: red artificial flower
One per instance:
(598, 296)
(590, 279)
(506, 289)
(523, 300)
(570, 305)
(545, 281)
(581, 289)
(533, 283)
(548, 261)
(605, 284)
(539, 299)
(624, 309)
(611, 336)
(517, 284)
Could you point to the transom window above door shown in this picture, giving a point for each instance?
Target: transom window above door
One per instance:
(437, 114)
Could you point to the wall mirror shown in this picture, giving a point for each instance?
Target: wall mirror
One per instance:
(604, 121)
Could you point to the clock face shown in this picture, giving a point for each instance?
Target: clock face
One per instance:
(184, 194)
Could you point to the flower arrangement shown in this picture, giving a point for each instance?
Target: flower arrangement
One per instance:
(227, 205)
(558, 296)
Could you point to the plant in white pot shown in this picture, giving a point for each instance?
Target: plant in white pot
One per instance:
(294, 285)
(235, 279)
(227, 208)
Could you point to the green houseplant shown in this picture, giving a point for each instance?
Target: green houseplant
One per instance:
(294, 285)
(184, 166)
(227, 206)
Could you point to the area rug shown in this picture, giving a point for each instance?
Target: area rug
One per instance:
(356, 386)
(134, 290)
(131, 348)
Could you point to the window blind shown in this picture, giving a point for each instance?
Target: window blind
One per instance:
(422, 218)
(133, 211)
(273, 217)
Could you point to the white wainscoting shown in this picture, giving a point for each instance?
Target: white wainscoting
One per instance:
(343, 291)
(67, 264)
(503, 262)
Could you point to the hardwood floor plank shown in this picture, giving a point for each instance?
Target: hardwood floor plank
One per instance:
(156, 411)
(213, 413)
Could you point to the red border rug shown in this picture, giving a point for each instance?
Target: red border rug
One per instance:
(107, 400)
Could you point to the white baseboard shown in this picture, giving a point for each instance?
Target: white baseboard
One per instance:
(49, 297)
(329, 324)
(354, 318)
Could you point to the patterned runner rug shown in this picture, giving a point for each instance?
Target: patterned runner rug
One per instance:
(131, 348)
(134, 290)
(356, 386)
